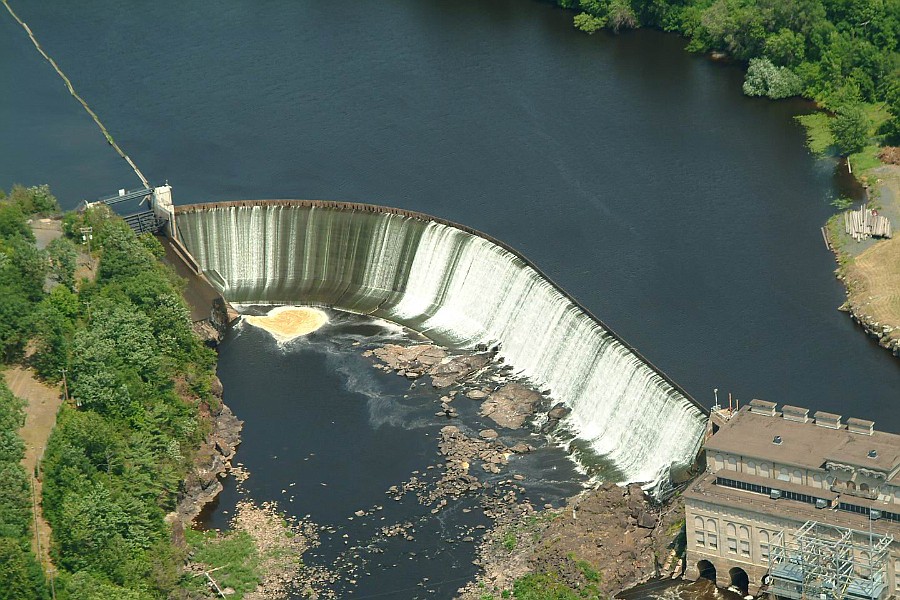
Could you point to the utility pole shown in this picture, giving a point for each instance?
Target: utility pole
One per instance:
(65, 384)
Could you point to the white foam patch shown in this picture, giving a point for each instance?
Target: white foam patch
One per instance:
(286, 323)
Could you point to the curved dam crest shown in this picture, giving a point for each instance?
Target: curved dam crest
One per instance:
(457, 286)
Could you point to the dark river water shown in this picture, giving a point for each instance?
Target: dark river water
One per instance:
(326, 435)
(634, 174)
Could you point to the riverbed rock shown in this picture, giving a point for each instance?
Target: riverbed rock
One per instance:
(488, 434)
(415, 361)
(594, 528)
(452, 370)
(554, 416)
(559, 412)
(511, 405)
(405, 358)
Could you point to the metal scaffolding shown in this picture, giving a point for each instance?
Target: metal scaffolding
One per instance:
(826, 562)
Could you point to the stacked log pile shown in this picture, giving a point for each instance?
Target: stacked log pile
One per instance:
(865, 222)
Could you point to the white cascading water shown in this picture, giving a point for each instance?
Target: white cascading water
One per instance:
(452, 285)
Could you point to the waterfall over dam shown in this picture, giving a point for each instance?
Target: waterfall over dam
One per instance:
(456, 286)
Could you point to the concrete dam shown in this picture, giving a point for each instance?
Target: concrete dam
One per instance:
(458, 287)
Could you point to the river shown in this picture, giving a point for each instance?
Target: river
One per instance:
(636, 175)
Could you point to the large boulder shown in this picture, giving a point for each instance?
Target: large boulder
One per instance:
(511, 405)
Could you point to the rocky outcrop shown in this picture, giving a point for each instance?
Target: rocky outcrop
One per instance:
(887, 336)
(616, 532)
(413, 362)
(212, 461)
(207, 333)
(554, 416)
(511, 405)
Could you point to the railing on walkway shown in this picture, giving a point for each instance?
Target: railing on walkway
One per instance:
(145, 222)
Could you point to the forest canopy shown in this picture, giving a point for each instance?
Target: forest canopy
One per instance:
(113, 321)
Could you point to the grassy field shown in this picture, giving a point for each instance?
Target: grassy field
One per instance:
(821, 142)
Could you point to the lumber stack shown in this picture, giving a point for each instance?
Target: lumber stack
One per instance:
(865, 223)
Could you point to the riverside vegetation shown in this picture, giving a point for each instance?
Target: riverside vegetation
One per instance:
(843, 54)
(140, 386)
(20, 573)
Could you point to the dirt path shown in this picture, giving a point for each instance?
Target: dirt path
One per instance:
(43, 403)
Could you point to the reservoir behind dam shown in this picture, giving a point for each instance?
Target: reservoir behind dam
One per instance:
(636, 175)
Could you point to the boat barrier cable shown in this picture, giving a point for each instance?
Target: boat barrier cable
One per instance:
(72, 91)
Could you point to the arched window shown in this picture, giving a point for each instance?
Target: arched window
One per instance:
(798, 476)
(731, 463)
(851, 485)
(720, 462)
(764, 469)
(744, 533)
(784, 474)
(864, 487)
(712, 534)
(731, 542)
(764, 545)
(817, 480)
(699, 532)
(751, 467)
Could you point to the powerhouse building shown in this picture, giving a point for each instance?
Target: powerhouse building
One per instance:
(804, 507)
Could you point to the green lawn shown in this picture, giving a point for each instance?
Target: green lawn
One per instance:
(821, 142)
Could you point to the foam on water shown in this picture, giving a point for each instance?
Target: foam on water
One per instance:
(455, 286)
(286, 323)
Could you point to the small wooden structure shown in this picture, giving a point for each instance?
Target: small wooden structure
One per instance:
(866, 222)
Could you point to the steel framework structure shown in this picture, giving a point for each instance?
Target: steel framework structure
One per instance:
(827, 562)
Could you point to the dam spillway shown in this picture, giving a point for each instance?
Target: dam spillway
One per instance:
(456, 286)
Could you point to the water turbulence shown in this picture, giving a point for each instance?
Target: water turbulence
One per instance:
(458, 287)
(286, 323)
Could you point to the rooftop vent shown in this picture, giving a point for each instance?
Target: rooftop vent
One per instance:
(795, 413)
(828, 420)
(821, 503)
(777, 440)
(872, 454)
(762, 407)
(775, 494)
(861, 426)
